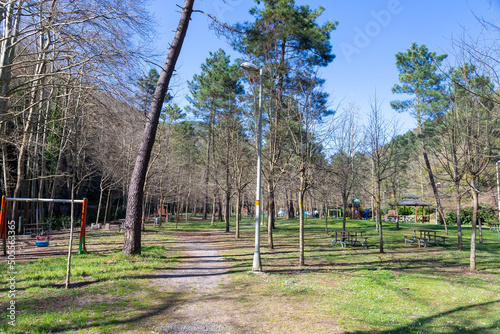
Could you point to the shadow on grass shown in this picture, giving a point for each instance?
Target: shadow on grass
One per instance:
(99, 319)
(420, 324)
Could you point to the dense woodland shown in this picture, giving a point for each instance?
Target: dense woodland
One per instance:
(76, 96)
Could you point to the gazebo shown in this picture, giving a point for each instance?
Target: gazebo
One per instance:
(414, 201)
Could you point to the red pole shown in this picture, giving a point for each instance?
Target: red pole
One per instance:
(82, 249)
(3, 224)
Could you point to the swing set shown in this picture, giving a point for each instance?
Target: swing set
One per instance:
(41, 240)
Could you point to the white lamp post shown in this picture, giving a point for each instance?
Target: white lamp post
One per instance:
(257, 265)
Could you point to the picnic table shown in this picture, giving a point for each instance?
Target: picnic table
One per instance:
(494, 227)
(406, 219)
(353, 238)
(425, 236)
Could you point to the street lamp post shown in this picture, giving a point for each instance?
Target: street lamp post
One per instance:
(257, 265)
(498, 191)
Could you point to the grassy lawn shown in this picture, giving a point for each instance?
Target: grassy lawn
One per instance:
(354, 290)
(109, 290)
(405, 290)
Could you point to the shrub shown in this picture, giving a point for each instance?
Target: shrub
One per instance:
(57, 223)
(485, 214)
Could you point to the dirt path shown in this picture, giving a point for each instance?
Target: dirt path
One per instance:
(200, 276)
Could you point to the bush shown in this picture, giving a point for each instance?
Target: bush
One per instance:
(58, 223)
(485, 214)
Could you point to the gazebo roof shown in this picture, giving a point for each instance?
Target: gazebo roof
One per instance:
(412, 202)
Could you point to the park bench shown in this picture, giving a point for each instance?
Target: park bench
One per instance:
(363, 241)
(494, 227)
(414, 239)
(353, 238)
(443, 239)
(31, 229)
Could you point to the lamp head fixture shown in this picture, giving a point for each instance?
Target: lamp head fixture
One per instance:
(249, 67)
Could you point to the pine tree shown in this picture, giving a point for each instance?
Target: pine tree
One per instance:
(418, 74)
(282, 34)
(147, 85)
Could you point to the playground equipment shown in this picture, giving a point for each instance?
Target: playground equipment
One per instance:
(366, 214)
(355, 208)
(41, 241)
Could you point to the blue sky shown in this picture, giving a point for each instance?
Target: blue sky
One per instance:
(365, 42)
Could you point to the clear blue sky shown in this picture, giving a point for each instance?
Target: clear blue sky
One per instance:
(365, 42)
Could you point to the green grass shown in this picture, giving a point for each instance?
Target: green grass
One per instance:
(404, 290)
(109, 290)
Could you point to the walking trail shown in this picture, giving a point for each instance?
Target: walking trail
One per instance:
(200, 277)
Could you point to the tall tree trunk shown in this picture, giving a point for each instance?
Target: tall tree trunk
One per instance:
(99, 204)
(379, 216)
(397, 205)
(214, 203)
(219, 210)
(207, 167)
(227, 211)
(344, 211)
(270, 216)
(301, 221)
(132, 237)
(326, 218)
(311, 208)
(238, 211)
(106, 212)
(474, 220)
(287, 204)
(431, 176)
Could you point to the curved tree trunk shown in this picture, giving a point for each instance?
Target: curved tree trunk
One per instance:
(132, 238)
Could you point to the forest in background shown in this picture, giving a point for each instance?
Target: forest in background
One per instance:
(76, 96)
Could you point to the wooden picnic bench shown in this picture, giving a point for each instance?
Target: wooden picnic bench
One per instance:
(443, 239)
(425, 236)
(361, 241)
(353, 238)
(494, 227)
(414, 239)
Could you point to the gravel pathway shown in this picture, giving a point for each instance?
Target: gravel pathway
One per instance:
(200, 275)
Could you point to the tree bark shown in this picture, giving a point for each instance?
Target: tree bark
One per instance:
(214, 204)
(326, 218)
(344, 211)
(473, 230)
(287, 205)
(301, 221)
(207, 168)
(227, 211)
(270, 217)
(132, 238)
(431, 175)
(238, 212)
